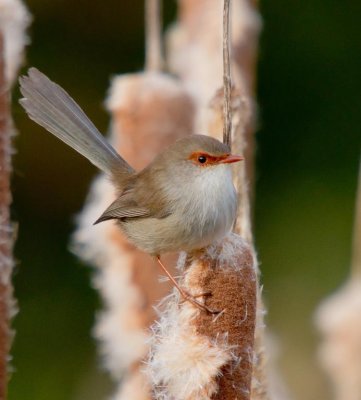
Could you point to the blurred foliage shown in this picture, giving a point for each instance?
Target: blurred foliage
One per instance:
(308, 150)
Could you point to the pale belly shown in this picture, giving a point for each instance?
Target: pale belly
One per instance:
(188, 230)
(202, 214)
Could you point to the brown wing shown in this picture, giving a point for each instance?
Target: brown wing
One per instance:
(141, 198)
(129, 205)
(123, 207)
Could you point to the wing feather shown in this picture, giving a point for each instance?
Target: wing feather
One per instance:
(123, 207)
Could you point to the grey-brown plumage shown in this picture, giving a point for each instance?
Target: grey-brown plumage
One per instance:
(50, 106)
(183, 200)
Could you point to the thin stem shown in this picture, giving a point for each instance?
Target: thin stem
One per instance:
(227, 82)
(153, 38)
(356, 251)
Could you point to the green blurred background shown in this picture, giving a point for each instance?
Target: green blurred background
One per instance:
(308, 151)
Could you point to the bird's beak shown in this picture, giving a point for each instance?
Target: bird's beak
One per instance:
(231, 158)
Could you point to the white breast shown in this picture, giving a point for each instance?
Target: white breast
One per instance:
(207, 209)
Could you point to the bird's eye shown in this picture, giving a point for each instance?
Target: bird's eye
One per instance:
(202, 159)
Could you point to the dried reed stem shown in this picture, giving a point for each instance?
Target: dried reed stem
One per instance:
(227, 81)
(356, 248)
(153, 24)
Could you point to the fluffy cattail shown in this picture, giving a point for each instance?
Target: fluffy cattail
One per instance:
(14, 19)
(338, 320)
(13, 22)
(200, 356)
(149, 111)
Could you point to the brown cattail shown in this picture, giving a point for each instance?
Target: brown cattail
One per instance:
(197, 37)
(13, 22)
(200, 356)
(222, 346)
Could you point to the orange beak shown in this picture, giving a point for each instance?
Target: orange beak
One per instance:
(231, 158)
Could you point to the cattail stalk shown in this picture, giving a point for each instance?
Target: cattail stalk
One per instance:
(127, 278)
(5, 234)
(13, 22)
(199, 356)
(149, 110)
(338, 320)
(196, 355)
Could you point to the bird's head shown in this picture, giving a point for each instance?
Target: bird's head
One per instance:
(202, 152)
(195, 161)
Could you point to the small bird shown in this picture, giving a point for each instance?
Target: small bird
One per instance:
(183, 200)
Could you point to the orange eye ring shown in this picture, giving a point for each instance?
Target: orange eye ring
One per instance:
(203, 159)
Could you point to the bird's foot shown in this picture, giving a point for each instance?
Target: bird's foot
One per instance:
(187, 296)
(192, 299)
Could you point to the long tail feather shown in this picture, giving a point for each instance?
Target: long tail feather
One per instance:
(50, 106)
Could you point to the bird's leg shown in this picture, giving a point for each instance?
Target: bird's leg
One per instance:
(186, 295)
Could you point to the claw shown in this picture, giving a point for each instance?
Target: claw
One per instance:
(192, 299)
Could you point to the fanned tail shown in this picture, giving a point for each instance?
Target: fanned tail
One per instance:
(50, 106)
